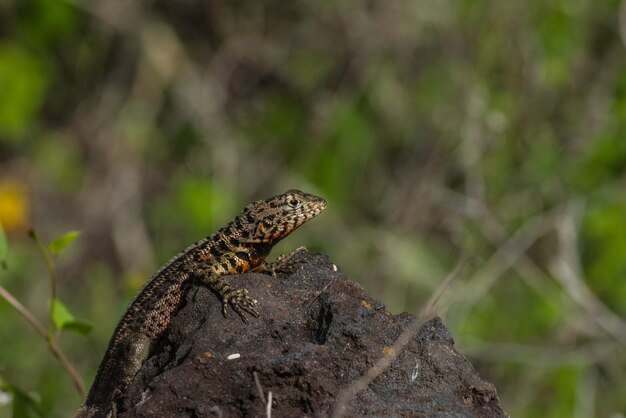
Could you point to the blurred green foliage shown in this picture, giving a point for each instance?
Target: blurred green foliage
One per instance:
(435, 129)
(23, 89)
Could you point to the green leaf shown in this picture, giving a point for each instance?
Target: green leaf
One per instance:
(4, 249)
(58, 245)
(63, 319)
(80, 327)
(24, 405)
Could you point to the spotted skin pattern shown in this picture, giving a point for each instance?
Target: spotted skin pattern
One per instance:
(239, 247)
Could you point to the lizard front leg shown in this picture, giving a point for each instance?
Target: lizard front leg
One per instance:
(238, 299)
(283, 264)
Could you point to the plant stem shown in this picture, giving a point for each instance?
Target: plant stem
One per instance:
(53, 280)
(52, 344)
(21, 309)
(51, 336)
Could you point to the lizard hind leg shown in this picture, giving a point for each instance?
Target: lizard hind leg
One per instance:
(137, 347)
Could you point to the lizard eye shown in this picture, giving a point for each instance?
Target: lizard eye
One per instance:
(293, 202)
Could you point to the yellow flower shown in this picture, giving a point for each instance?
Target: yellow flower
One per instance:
(14, 205)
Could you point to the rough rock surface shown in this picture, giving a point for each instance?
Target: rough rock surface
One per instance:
(318, 332)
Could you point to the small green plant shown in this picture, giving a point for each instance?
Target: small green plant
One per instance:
(59, 318)
(24, 404)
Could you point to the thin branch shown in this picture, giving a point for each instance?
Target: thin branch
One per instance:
(319, 293)
(528, 270)
(53, 279)
(53, 347)
(21, 309)
(348, 393)
(567, 269)
(268, 408)
(68, 366)
(259, 388)
(50, 334)
(538, 356)
(507, 255)
(431, 307)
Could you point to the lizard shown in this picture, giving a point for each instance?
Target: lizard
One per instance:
(241, 246)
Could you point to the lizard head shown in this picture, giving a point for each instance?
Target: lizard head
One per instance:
(269, 221)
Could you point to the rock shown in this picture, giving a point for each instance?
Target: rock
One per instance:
(317, 333)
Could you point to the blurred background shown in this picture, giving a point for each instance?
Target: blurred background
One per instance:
(438, 130)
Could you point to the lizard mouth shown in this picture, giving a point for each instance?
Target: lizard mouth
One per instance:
(317, 208)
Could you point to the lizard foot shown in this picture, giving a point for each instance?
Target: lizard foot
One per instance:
(238, 299)
(283, 264)
(241, 302)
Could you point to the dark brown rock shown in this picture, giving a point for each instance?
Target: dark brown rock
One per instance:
(318, 332)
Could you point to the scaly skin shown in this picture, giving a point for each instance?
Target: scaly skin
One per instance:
(239, 247)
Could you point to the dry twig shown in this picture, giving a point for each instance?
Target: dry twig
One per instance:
(567, 269)
(259, 388)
